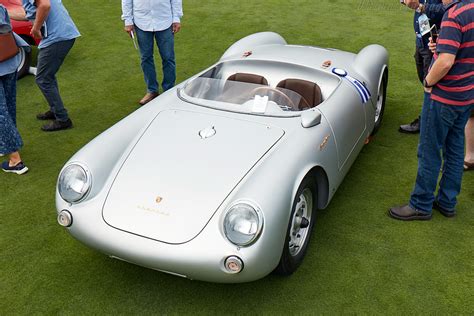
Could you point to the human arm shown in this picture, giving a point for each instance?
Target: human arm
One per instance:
(127, 15)
(434, 11)
(42, 12)
(17, 13)
(440, 68)
(177, 11)
(447, 46)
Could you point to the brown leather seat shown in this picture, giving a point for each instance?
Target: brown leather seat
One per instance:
(249, 78)
(310, 92)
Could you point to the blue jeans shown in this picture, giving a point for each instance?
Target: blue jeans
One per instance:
(10, 139)
(441, 139)
(50, 60)
(165, 41)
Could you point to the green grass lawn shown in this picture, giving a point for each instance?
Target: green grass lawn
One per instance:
(359, 260)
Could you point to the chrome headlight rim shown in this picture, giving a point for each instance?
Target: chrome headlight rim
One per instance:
(256, 208)
(88, 181)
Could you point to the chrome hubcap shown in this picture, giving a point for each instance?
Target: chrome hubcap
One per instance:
(378, 109)
(300, 222)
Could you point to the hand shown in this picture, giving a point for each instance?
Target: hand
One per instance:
(432, 46)
(176, 27)
(129, 29)
(428, 90)
(412, 4)
(36, 33)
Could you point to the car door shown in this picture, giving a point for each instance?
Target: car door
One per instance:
(345, 113)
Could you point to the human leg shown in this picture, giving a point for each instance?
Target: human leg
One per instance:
(10, 139)
(423, 58)
(453, 154)
(14, 158)
(433, 133)
(145, 43)
(469, 132)
(165, 42)
(50, 60)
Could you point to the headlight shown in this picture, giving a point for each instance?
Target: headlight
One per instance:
(243, 224)
(74, 183)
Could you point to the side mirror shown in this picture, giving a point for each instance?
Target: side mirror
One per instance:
(310, 118)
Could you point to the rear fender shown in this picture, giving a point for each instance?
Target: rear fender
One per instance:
(370, 63)
(250, 42)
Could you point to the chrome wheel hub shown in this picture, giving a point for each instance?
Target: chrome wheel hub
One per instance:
(300, 222)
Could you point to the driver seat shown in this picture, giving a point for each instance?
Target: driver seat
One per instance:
(231, 92)
(249, 78)
(309, 91)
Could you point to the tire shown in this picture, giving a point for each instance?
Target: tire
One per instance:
(380, 107)
(24, 62)
(294, 249)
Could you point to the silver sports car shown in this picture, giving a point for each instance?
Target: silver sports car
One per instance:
(220, 178)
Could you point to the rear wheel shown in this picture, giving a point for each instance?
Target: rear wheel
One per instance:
(302, 218)
(25, 61)
(380, 105)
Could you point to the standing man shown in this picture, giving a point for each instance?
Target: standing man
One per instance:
(57, 32)
(427, 12)
(451, 84)
(154, 20)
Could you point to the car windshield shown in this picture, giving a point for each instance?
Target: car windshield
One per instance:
(242, 97)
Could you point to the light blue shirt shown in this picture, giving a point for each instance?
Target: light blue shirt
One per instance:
(58, 25)
(152, 15)
(10, 65)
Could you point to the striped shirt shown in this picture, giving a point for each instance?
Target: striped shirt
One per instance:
(457, 37)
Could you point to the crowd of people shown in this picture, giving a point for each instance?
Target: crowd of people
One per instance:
(447, 105)
(444, 67)
(53, 26)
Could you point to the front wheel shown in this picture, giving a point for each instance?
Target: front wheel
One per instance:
(380, 105)
(302, 218)
(25, 61)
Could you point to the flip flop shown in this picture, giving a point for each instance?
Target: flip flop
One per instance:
(468, 166)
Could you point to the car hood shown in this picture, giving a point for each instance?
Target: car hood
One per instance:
(175, 178)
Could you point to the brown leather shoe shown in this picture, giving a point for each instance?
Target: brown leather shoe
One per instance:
(446, 212)
(148, 97)
(407, 213)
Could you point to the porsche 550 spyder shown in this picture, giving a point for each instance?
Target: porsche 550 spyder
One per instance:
(220, 178)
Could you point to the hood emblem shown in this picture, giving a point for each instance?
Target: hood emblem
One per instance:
(158, 199)
(207, 132)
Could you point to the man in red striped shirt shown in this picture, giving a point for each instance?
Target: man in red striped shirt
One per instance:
(451, 84)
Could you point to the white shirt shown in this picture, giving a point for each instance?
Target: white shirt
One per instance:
(152, 15)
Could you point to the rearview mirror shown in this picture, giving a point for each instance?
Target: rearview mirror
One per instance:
(310, 118)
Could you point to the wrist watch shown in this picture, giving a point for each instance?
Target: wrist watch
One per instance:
(426, 85)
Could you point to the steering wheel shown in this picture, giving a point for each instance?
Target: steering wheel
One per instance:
(264, 88)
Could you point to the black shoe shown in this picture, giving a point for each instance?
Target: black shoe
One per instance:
(407, 213)
(48, 115)
(412, 128)
(57, 125)
(444, 211)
